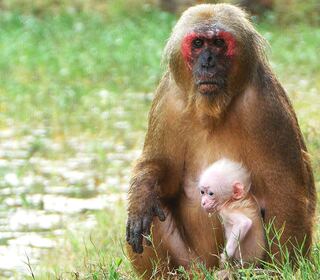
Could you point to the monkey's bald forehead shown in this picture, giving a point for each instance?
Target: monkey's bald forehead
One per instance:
(209, 27)
(214, 12)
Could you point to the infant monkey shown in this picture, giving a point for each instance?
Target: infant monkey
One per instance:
(224, 188)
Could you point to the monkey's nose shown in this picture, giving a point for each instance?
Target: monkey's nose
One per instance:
(209, 62)
(207, 59)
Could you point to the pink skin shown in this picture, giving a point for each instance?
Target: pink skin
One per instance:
(219, 191)
(210, 200)
(236, 224)
(188, 53)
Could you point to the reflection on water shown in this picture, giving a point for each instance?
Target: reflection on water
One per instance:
(45, 187)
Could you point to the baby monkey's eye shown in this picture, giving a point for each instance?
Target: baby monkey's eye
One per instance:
(211, 193)
(202, 192)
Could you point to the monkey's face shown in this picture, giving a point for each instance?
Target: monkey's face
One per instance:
(208, 55)
(208, 199)
(214, 193)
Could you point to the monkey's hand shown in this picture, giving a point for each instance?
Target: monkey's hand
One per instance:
(139, 221)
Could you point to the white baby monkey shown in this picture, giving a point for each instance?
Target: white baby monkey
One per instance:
(224, 187)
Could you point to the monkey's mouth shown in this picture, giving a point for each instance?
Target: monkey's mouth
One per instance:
(208, 87)
(212, 207)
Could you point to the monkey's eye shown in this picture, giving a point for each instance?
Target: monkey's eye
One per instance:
(211, 193)
(202, 192)
(197, 43)
(220, 43)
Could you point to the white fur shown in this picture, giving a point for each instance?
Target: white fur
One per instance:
(222, 174)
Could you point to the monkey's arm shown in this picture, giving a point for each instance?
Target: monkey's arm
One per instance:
(281, 173)
(144, 202)
(156, 176)
(240, 225)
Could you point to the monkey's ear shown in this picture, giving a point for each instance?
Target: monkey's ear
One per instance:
(238, 190)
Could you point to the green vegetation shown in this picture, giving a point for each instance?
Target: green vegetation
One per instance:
(59, 64)
(88, 71)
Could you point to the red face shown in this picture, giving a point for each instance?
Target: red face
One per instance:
(209, 55)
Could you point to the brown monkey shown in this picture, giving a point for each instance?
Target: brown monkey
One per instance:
(224, 188)
(218, 98)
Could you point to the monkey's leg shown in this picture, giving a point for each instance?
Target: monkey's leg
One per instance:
(290, 215)
(151, 263)
(168, 251)
(171, 239)
(148, 265)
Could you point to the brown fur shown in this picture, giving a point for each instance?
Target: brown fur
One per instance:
(254, 123)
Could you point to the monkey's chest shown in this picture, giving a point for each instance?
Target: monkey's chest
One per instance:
(202, 151)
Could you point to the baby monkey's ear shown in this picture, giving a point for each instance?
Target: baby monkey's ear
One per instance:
(237, 190)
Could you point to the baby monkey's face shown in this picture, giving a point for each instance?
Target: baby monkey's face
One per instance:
(209, 199)
(214, 195)
(222, 183)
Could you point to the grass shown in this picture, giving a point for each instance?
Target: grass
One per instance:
(89, 75)
(97, 254)
(66, 62)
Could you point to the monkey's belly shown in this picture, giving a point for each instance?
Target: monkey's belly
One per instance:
(203, 233)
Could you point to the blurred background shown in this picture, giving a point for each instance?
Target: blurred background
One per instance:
(76, 83)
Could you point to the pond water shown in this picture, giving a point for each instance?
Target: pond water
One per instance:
(47, 186)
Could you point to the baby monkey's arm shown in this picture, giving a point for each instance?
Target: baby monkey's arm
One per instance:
(237, 225)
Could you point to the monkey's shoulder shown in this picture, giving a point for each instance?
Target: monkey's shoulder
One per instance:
(274, 119)
(247, 207)
(168, 100)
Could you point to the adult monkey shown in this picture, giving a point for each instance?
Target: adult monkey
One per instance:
(218, 98)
